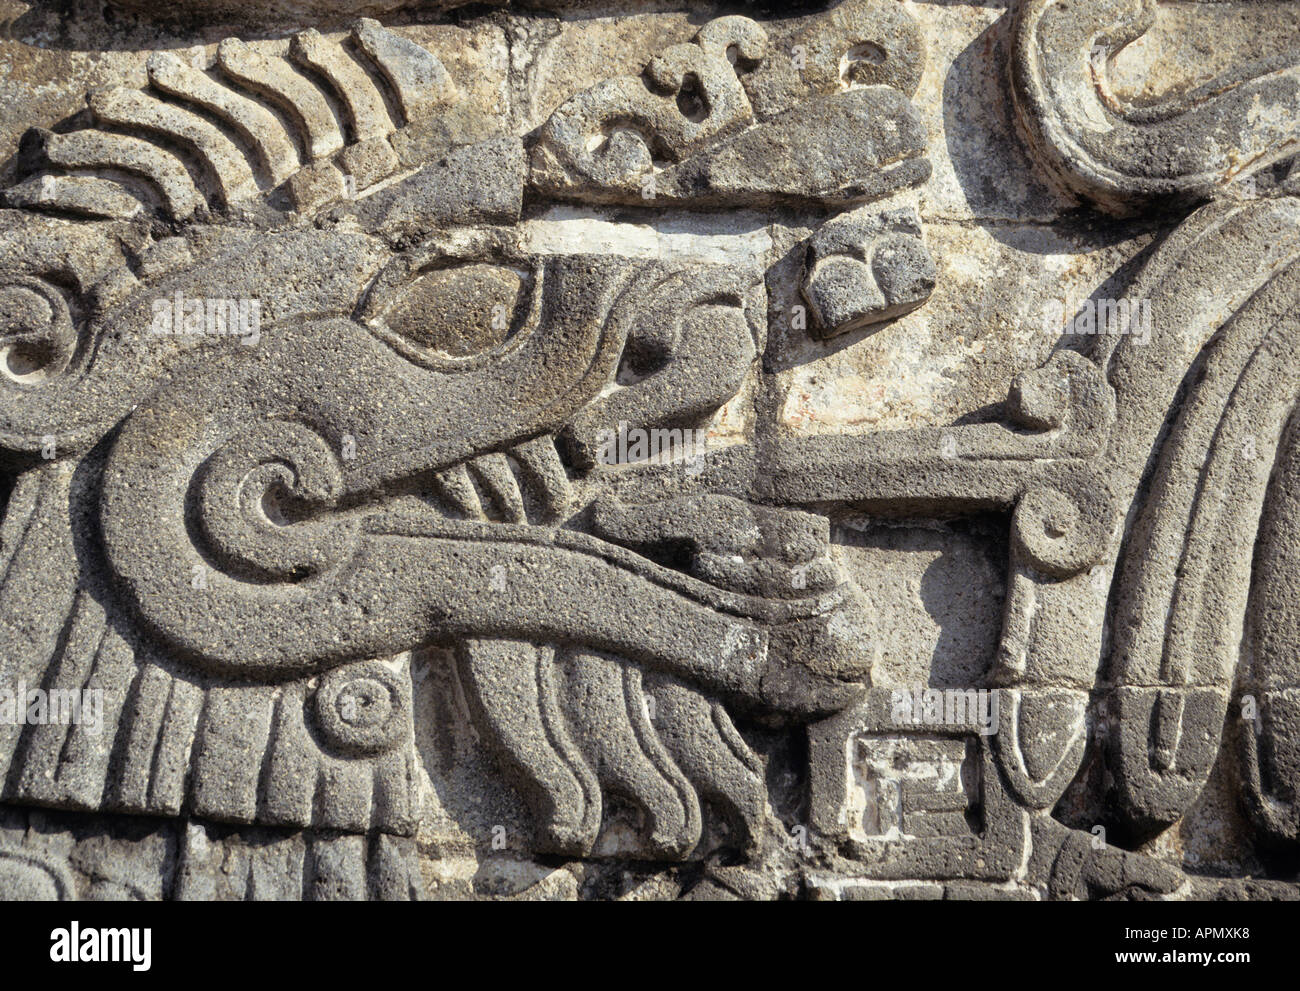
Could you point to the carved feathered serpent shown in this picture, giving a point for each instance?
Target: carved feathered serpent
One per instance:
(347, 489)
(274, 526)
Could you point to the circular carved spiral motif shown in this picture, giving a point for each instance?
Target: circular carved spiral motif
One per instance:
(240, 512)
(36, 333)
(362, 709)
(1056, 534)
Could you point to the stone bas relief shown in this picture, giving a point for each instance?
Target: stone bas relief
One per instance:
(537, 452)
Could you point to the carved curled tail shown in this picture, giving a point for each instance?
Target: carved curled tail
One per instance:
(1119, 156)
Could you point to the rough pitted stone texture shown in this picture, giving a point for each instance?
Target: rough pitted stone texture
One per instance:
(842, 449)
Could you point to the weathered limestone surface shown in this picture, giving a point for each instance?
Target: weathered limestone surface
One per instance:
(840, 449)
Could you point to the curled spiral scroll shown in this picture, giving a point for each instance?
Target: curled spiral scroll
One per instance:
(239, 495)
(1118, 156)
(37, 336)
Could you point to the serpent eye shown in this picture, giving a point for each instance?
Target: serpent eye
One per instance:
(459, 313)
